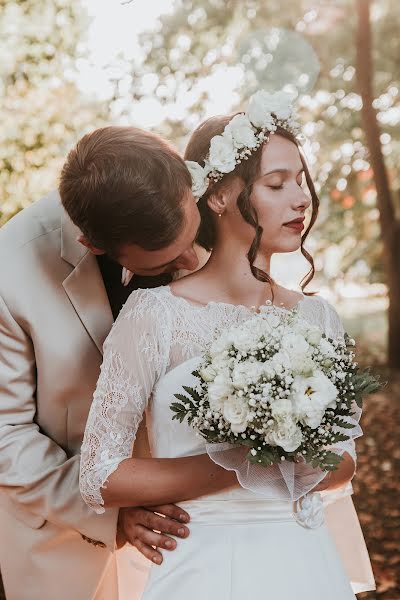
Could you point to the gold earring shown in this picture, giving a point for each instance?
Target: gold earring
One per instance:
(220, 214)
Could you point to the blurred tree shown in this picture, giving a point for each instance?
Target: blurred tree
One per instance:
(41, 111)
(204, 40)
(390, 225)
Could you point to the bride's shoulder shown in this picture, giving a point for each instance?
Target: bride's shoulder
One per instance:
(324, 314)
(145, 302)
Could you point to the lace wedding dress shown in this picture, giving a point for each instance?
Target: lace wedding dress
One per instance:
(242, 545)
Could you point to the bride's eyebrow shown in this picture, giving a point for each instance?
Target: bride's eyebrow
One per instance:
(281, 171)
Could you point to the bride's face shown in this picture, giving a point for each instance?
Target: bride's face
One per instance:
(278, 198)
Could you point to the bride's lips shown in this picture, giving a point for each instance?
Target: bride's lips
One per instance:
(296, 224)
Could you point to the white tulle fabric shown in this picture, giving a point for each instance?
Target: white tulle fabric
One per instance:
(148, 356)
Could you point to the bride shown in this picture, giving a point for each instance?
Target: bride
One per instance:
(250, 177)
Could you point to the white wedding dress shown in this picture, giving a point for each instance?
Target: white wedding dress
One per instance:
(241, 544)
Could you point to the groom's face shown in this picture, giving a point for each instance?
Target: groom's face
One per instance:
(180, 255)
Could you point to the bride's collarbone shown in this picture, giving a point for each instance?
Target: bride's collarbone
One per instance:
(194, 295)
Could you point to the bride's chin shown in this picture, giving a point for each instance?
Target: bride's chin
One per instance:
(287, 247)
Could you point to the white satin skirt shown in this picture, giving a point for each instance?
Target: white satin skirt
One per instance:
(249, 549)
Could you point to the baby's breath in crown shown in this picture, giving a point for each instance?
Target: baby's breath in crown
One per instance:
(242, 136)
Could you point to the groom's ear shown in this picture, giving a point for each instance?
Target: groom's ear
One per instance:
(82, 240)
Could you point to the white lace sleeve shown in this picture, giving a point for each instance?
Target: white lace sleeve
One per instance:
(135, 356)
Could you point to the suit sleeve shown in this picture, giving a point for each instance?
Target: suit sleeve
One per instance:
(35, 473)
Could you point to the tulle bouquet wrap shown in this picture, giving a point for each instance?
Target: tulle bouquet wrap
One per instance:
(279, 386)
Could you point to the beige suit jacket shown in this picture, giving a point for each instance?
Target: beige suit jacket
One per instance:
(54, 317)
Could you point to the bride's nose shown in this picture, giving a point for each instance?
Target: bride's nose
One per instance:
(188, 260)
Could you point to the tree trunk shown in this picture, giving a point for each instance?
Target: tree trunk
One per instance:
(390, 228)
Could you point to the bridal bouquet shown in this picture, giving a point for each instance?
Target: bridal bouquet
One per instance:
(280, 386)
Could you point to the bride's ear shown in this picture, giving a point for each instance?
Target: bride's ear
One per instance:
(217, 202)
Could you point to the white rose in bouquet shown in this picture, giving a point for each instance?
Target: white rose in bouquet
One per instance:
(236, 412)
(219, 390)
(311, 396)
(295, 345)
(222, 156)
(245, 339)
(281, 362)
(314, 335)
(281, 408)
(285, 434)
(208, 373)
(246, 372)
(221, 344)
(326, 348)
(303, 366)
(242, 132)
(268, 370)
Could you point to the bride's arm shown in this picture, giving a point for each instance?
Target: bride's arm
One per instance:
(153, 481)
(136, 354)
(340, 477)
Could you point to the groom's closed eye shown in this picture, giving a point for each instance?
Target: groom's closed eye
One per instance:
(171, 262)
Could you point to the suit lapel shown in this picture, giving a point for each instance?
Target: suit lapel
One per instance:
(84, 286)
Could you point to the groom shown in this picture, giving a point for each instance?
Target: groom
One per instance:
(126, 200)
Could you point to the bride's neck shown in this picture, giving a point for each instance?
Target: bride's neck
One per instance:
(228, 271)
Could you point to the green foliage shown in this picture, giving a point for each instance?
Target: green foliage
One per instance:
(364, 384)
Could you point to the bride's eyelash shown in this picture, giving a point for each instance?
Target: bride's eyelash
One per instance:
(276, 187)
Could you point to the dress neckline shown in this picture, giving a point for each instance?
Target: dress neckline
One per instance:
(211, 303)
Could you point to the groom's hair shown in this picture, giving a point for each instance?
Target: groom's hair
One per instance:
(124, 185)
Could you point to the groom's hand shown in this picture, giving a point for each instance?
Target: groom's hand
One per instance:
(146, 528)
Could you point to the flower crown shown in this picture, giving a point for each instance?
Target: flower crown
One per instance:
(244, 133)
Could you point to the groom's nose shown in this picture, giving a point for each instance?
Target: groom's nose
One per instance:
(188, 260)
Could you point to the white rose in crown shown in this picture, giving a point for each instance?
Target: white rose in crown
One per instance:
(242, 132)
(199, 177)
(280, 104)
(222, 155)
(259, 111)
(236, 412)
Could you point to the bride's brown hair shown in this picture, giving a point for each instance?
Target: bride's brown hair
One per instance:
(248, 171)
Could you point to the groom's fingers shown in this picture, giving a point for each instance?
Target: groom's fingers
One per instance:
(172, 511)
(155, 539)
(164, 524)
(148, 551)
